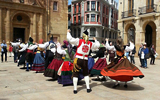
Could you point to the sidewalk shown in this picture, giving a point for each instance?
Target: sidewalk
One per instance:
(17, 84)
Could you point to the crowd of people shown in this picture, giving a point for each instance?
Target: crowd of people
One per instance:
(73, 60)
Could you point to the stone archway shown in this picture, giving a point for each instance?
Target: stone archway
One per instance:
(20, 26)
(149, 29)
(129, 34)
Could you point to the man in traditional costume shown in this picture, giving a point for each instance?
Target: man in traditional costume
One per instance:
(81, 60)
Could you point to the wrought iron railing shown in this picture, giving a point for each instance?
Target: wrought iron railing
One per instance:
(129, 13)
(147, 9)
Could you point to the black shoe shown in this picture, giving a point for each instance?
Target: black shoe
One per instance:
(97, 79)
(27, 70)
(103, 79)
(75, 91)
(36, 71)
(116, 85)
(89, 90)
(125, 85)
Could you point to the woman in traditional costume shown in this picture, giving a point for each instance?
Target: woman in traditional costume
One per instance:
(90, 61)
(121, 69)
(38, 63)
(100, 63)
(53, 67)
(65, 71)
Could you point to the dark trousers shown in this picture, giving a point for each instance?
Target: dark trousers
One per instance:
(140, 60)
(3, 53)
(132, 60)
(15, 56)
(152, 60)
(48, 58)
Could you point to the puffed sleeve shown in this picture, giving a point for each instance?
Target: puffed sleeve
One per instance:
(74, 41)
(110, 47)
(43, 46)
(32, 47)
(15, 44)
(24, 48)
(129, 48)
(95, 45)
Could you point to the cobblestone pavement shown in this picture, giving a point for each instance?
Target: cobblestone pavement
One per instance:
(17, 84)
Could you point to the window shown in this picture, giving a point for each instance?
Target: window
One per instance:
(55, 8)
(79, 32)
(106, 10)
(112, 13)
(75, 20)
(79, 19)
(106, 21)
(103, 9)
(92, 17)
(92, 32)
(97, 18)
(87, 18)
(74, 35)
(110, 35)
(102, 33)
(21, 1)
(93, 5)
(97, 6)
(115, 36)
(88, 5)
(112, 1)
(75, 8)
(106, 35)
(79, 7)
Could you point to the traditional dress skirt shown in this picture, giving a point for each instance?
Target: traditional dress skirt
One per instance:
(52, 69)
(90, 63)
(38, 63)
(22, 58)
(65, 73)
(98, 66)
(122, 71)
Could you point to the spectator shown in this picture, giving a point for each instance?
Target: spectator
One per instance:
(152, 53)
(146, 52)
(15, 51)
(111, 54)
(3, 50)
(10, 50)
(139, 53)
(132, 53)
(142, 58)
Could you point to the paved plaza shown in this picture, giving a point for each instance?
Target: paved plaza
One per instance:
(17, 84)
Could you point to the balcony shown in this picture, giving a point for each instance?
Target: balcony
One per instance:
(147, 9)
(129, 13)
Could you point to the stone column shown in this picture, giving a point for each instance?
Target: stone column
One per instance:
(0, 25)
(34, 28)
(7, 27)
(125, 38)
(40, 27)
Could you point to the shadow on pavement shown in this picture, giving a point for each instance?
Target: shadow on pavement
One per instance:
(84, 86)
(131, 86)
(2, 71)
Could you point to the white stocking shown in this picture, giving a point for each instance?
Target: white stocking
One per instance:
(75, 80)
(86, 78)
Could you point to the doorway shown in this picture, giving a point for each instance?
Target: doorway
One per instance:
(19, 33)
(148, 35)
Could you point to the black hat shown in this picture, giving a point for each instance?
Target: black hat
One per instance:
(51, 38)
(30, 39)
(85, 32)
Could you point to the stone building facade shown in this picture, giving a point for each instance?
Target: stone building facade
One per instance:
(36, 18)
(98, 16)
(139, 21)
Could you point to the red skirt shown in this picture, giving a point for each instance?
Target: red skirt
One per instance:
(52, 69)
(122, 71)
